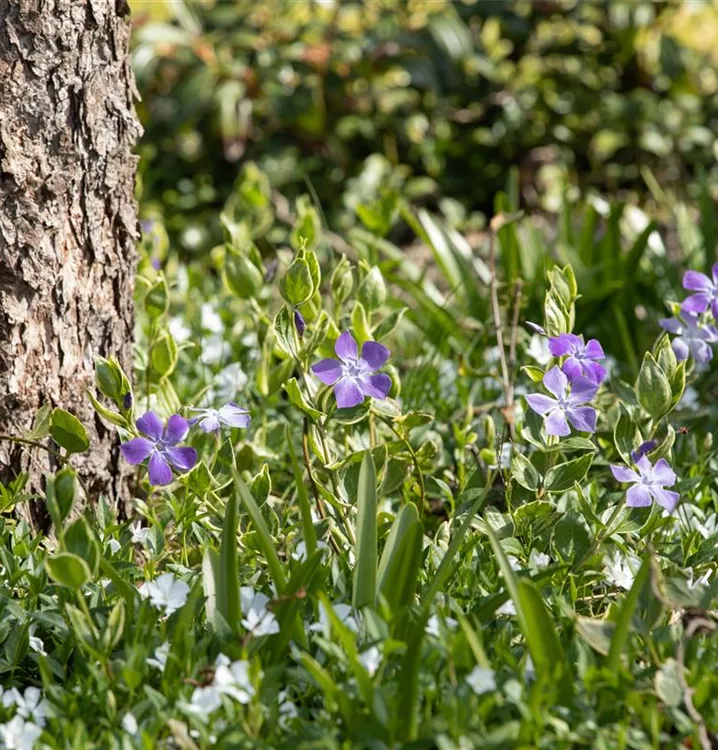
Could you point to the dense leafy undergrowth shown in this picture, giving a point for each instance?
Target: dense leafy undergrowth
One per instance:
(375, 507)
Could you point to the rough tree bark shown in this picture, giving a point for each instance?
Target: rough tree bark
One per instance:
(67, 220)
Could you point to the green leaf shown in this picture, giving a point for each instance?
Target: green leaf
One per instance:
(78, 540)
(68, 432)
(265, 538)
(157, 299)
(653, 389)
(297, 286)
(41, 423)
(596, 632)
(540, 632)
(625, 615)
(626, 437)
(60, 496)
(389, 323)
(297, 398)
(401, 559)
(227, 592)
(241, 276)
(364, 591)
(563, 476)
(372, 290)
(535, 373)
(524, 472)
(68, 569)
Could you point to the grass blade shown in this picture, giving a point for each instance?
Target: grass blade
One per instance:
(265, 538)
(536, 624)
(227, 591)
(308, 531)
(364, 592)
(401, 558)
(625, 615)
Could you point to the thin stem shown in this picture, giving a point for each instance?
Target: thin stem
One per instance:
(35, 444)
(496, 312)
(414, 458)
(598, 541)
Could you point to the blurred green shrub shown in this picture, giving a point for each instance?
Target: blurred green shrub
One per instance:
(433, 97)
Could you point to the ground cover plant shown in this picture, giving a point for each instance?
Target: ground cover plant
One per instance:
(379, 505)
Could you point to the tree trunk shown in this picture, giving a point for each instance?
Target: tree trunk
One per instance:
(67, 222)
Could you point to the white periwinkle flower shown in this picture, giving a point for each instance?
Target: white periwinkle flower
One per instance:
(166, 592)
(539, 560)
(621, 571)
(432, 626)
(481, 680)
(159, 660)
(129, 723)
(258, 620)
(28, 705)
(371, 660)
(346, 616)
(140, 534)
(18, 734)
(233, 680)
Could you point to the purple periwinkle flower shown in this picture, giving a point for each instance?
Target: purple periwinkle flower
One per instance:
(648, 483)
(299, 323)
(568, 404)
(161, 446)
(692, 337)
(230, 415)
(706, 292)
(643, 450)
(535, 328)
(580, 358)
(352, 376)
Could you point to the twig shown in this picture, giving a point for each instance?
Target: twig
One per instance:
(34, 444)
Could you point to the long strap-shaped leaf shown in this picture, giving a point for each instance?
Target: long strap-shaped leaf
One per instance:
(536, 624)
(308, 531)
(227, 585)
(625, 615)
(364, 592)
(401, 559)
(265, 538)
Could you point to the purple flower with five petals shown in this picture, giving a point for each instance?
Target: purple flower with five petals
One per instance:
(580, 358)
(160, 445)
(692, 337)
(229, 415)
(567, 406)
(706, 292)
(352, 376)
(648, 483)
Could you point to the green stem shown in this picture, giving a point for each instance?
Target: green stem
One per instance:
(414, 458)
(35, 444)
(598, 541)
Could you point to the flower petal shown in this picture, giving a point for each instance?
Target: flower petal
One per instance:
(376, 386)
(638, 496)
(594, 350)
(594, 372)
(347, 393)
(672, 325)
(541, 404)
(624, 474)
(700, 351)
(582, 391)
(136, 450)
(680, 349)
(374, 355)
(696, 303)
(666, 498)
(555, 381)
(663, 474)
(696, 281)
(566, 343)
(556, 424)
(572, 368)
(183, 459)
(159, 470)
(210, 423)
(346, 348)
(177, 429)
(151, 425)
(583, 418)
(234, 416)
(328, 371)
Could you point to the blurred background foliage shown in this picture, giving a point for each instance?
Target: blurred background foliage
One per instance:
(408, 124)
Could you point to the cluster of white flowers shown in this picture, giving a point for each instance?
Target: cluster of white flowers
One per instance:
(25, 727)
(231, 679)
